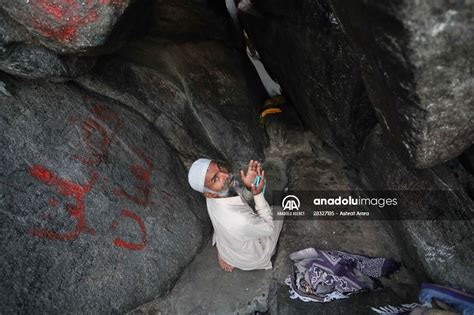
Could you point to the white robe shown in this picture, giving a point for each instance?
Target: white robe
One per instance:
(245, 239)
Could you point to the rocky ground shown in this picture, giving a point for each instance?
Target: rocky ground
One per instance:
(299, 160)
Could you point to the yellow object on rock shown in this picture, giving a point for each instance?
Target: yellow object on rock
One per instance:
(269, 111)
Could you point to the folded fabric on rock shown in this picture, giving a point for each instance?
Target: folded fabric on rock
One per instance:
(461, 301)
(323, 276)
(435, 299)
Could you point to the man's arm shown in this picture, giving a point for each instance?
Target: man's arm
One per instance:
(260, 224)
(244, 192)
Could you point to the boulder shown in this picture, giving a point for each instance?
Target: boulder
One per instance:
(70, 26)
(417, 65)
(20, 57)
(201, 96)
(434, 218)
(304, 48)
(58, 40)
(97, 215)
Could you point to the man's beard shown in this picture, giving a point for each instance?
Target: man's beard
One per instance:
(230, 187)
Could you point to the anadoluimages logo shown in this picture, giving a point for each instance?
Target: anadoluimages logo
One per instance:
(290, 202)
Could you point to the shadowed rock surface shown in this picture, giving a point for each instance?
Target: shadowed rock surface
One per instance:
(417, 67)
(304, 48)
(199, 92)
(439, 238)
(198, 95)
(419, 82)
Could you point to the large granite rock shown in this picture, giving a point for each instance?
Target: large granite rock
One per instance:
(49, 40)
(201, 94)
(97, 215)
(417, 64)
(20, 57)
(304, 48)
(198, 95)
(435, 215)
(70, 26)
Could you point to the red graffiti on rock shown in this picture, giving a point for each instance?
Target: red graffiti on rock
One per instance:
(97, 139)
(132, 246)
(63, 18)
(68, 189)
(66, 16)
(142, 174)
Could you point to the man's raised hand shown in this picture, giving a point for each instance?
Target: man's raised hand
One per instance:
(258, 189)
(252, 171)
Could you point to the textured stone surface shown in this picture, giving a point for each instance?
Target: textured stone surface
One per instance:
(356, 304)
(417, 64)
(204, 288)
(97, 215)
(443, 247)
(47, 39)
(68, 26)
(183, 20)
(196, 94)
(37, 63)
(201, 94)
(304, 49)
(20, 57)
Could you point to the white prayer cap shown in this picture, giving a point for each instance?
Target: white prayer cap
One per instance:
(197, 174)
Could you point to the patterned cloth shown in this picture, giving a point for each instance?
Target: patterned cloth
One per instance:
(323, 276)
(451, 298)
(461, 300)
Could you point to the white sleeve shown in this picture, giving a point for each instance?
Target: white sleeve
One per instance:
(260, 224)
(245, 193)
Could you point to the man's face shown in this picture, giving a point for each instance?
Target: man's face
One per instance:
(217, 177)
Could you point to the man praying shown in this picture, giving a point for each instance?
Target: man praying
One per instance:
(246, 239)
